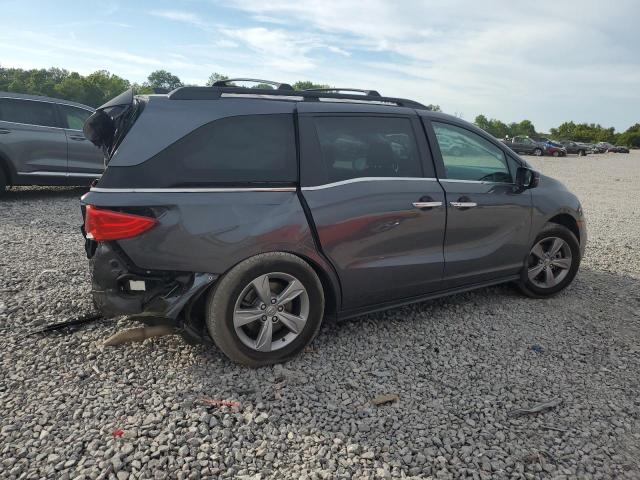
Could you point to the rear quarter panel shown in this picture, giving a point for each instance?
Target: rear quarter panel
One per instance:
(212, 232)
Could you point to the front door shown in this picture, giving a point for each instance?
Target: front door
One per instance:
(379, 213)
(488, 216)
(85, 160)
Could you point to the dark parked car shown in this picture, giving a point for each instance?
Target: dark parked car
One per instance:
(248, 215)
(525, 145)
(575, 148)
(42, 143)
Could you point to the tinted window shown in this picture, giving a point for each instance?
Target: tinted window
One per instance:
(73, 117)
(468, 156)
(354, 147)
(231, 151)
(27, 111)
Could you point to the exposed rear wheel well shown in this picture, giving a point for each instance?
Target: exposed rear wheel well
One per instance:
(4, 166)
(568, 221)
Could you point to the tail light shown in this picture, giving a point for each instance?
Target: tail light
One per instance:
(102, 225)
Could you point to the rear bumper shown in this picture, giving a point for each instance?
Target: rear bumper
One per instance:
(154, 297)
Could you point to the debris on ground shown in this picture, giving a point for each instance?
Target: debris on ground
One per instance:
(118, 433)
(214, 402)
(91, 317)
(537, 349)
(138, 334)
(537, 408)
(385, 399)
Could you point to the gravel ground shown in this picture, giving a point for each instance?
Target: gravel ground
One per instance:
(74, 409)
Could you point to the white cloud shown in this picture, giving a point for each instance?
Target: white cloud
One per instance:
(543, 62)
(179, 16)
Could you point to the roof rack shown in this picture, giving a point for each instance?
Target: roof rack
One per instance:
(221, 87)
(370, 93)
(277, 85)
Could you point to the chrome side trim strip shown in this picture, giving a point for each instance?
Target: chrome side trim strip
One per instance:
(60, 174)
(453, 180)
(367, 179)
(193, 190)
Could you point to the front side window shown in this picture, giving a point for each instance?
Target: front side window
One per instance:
(353, 147)
(73, 117)
(468, 156)
(29, 112)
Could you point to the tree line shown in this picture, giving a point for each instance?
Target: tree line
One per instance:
(100, 86)
(578, 132)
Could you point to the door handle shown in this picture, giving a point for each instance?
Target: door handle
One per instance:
(77, 138)
(463, 204)
(427, 204)
(4, 131)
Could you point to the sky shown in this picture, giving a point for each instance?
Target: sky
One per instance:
(547, 61)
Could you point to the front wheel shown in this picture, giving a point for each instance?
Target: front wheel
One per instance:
(556, 154)
(537, 152)
(552, 263)
(265, 309)
(581, 153)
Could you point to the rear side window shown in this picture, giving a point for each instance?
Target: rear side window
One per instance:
(468, 156)
(353, 147)
(236, 150)
(30, 112)
(73, 117)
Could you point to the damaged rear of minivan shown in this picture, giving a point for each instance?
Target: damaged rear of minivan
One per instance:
(191, 190)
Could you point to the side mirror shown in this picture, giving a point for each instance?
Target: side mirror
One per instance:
(527, 178)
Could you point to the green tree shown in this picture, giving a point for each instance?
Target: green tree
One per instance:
(307, 84)
(434, 108)
(214, 77)
(631, 136)
(495, 127)
(163, 79)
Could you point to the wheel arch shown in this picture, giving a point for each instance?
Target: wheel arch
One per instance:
(7, 169)
(567, 221)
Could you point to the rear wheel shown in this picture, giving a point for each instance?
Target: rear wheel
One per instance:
(552, 262)
(537, 152)
(266, 309)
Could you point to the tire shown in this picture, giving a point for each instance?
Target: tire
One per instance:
(581, 153)
(234, 307)
(535, 288)
(556, 154)
(537, 152)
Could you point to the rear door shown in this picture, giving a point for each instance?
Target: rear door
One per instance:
(488, 216)
(31, 137)
(368, 179)
(84, 159)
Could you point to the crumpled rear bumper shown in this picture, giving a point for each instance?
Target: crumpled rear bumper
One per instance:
(165, 294)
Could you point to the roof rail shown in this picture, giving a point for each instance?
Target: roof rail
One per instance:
(277, 85)
(370, 93)
(216, 91)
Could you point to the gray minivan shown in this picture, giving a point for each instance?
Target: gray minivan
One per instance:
(42, 142)
(248, 215)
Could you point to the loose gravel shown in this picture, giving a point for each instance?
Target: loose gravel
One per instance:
(71, 408)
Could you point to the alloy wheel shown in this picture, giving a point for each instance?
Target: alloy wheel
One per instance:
(549, 262)
(271, 311)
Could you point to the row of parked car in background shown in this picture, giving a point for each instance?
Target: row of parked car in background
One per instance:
(546, 146)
